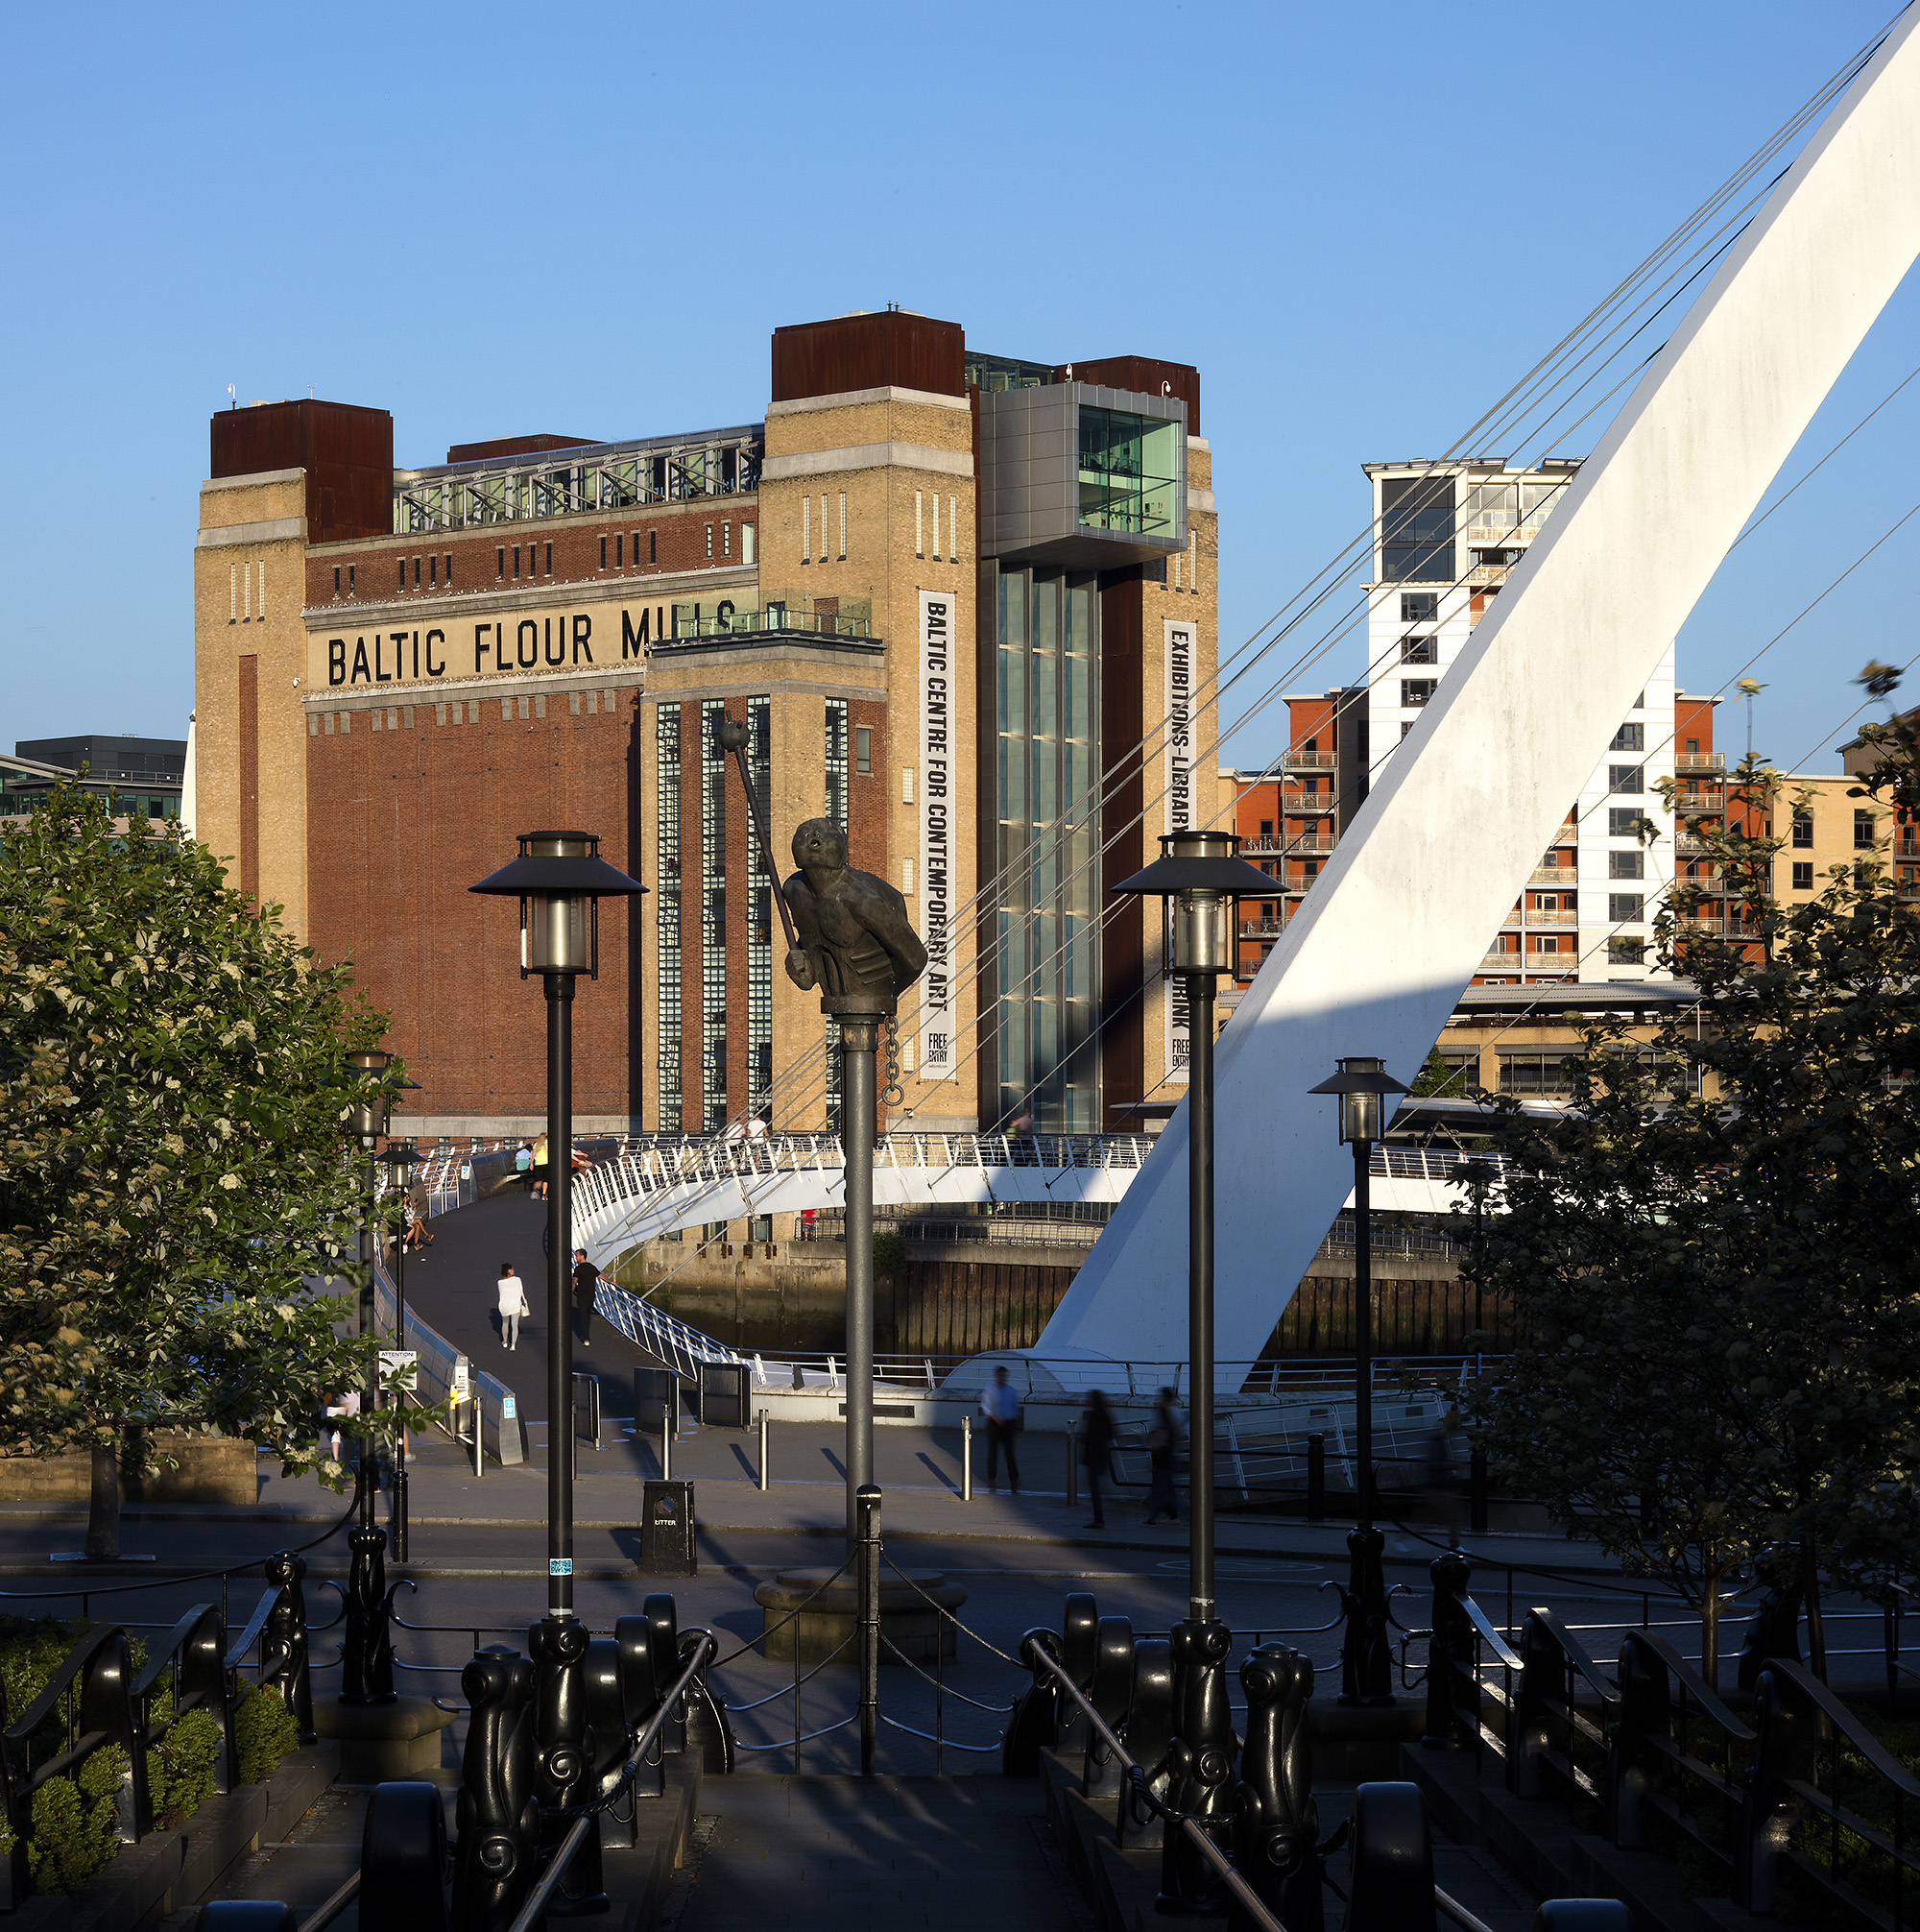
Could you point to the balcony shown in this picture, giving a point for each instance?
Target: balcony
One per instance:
(1567, 876)
(1690, 844)
(1307, 760)
(1263, 928)
(1711, 803)
(1700, 760)
(1564, 915)
(1303, 841)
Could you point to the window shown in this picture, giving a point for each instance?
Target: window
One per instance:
(918, 524)
(836, 760)
(807, 527)
(653, 546)
(726, 540)
(666, 911)
(842, 522)
(709, 541)
(351, 568)
(1130, 471)
(1802, 875)
(1626, 777)
(517, 560)
(336, 580)
(1419, 650)
(449, 569)
(747, 543)
(1626, 866)
(1625, 906)
(1628, 948)
(1405, 727)
(1420, 607)
(1415, 691)
(619, 551)
(1417, 528)
(1624, 821)
(1803, 830)
(1266, 827)
(1692, 747)
(1536, 1070)
(433, 572)
(603, 553)
(1551, 943)
(1864, 831)
(403, 573)
(1629, 737)
(549, 559)
(499, 563)
(760, 1227)
(863, 750)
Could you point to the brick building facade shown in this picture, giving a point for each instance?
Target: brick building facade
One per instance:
(950, 592)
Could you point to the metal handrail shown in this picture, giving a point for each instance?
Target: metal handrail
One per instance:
(530, 1912)
(1245, 1895)
(330, 1908)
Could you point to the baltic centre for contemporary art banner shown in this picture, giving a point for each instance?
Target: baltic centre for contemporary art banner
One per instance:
(1179, 727)
(937, 642)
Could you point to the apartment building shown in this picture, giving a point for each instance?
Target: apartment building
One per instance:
(1447, 535)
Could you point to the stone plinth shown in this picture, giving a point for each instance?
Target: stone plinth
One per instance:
(907, 1618)
(379, 1741)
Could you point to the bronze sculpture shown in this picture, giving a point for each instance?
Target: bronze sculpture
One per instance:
(854, 940)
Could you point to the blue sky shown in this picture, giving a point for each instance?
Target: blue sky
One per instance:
(1361, 223)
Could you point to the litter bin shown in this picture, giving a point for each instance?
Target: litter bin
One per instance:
(723, 1396)
(666, 1529)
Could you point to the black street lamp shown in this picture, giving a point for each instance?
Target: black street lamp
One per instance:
(1366, 1663)
(559, 880)
(366, 1650)
(1198, 877)
(401, 1158)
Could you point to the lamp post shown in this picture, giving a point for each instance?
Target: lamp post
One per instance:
(366, 1650)
(560, 878)
(1198, 877)
(402, 1160)
(1366, 1664)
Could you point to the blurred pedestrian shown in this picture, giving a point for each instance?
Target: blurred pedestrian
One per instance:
(1162, 1443)
(514, 1305)
(999, 1404)
(1097, 1451)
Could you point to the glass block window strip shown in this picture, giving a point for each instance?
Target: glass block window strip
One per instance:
(666, 910)
(713, 916)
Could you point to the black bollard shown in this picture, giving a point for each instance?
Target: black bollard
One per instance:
(709, 1731)
(496, 1821)
(285, 1664)
(1452, 1711)
(1366, 1660)
(1079, 1652)
(1276, 1821)
(403, 1860)
(1477, 1491)
(367, 1648)
(1150, 1715)
(1201, 1767)
(1110, 1694)
(1773, 1631)
(1390, 1882)
(661, 1617)
(564, 1759)
(1316, 1479)
(1034, 1724)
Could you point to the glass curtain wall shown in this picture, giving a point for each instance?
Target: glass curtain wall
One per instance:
(760, 922)
(666, 910)
(1048, 909)
(713, 916)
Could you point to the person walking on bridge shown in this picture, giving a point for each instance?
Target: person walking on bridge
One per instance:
(586, 1285)
(999, 1404)
(514, 1305)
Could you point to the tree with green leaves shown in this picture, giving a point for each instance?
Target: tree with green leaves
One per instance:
(173, 1181)
(1710, 1256)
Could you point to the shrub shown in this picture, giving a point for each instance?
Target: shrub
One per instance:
(264, 1733)
(179, 1768)
(75, 1824)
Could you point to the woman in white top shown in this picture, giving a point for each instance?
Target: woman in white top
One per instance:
(513, 1305)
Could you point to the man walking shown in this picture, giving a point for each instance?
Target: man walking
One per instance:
(999, 1404)
(585, 1281)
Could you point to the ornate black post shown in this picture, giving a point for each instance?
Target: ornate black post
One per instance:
(1200, 1761)
(496, 1818)
(1276, 1821)
(1452, 1714)
(284, 1656)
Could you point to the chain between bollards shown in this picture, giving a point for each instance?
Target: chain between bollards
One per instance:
(867, 1501)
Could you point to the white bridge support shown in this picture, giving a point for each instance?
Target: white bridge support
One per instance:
(1463, 810)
